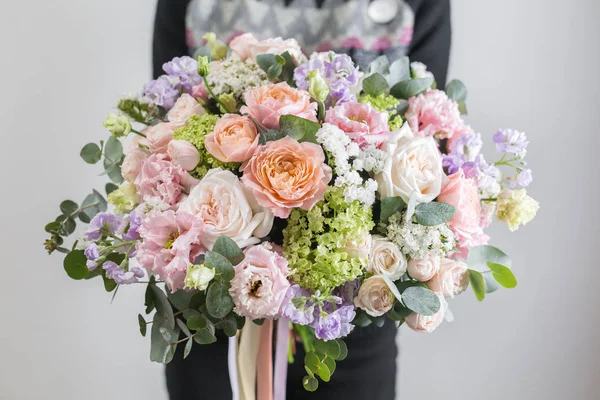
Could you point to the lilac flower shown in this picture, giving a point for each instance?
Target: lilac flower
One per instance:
(479, 169)
(103, 223)
(162, 91)
(511, 141)
(135, 221)
(347, 292)
(92, 254)
(303, 316)
(186, 69)
(336, 324)
(114, 272)
(523, 180)
(453, 162)
(338, 70)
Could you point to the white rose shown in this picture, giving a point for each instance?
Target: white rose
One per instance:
(451, 279)
(427, 324)
(374, 296)
(184, 108)
(359, 246)
(386, 259)
(423, 270)
(198, 277)
(227, 208)
(414, 164)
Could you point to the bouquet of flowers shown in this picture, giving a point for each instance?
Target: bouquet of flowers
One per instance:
(262, 185)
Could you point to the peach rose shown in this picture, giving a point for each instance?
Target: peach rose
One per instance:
(184, 154)
(247, 46)
(185, 107)
(427, 324)
(158, 136)
(234, 139)
(451, 279)
(423, 270)
(374, 296)
(284, 174)
(267, 103)
(463, 195)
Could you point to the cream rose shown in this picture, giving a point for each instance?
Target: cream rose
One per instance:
(414, 164)
(247, 46)
(451, 279)
(227, 208)
(386, 259)
(423, 270)
(427, 324)
(359, 246)
(374, 296)
(184, 108)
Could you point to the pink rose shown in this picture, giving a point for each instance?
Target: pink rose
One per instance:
(427, 324)
(162, 181)
(227, 208)
(158, 136)
(451, 279)
(260, 283)
(463, 195)
(433, 113)
(184, 154)
(170, 243)
(133, 161)
(267, 103)
(247, 46)
(423, 270)
(184, 108)
(234, 139)
(360, 121)
(285, 174)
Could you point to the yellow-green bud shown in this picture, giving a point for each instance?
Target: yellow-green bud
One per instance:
(317, 86)
(118, 125)
(218, 49)
(516, 208)
(203, 66)
(198, 277)
(125, 198)
(228, 102)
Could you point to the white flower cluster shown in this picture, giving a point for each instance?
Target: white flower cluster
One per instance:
(419, 70)
(342, 149)
(371, 159)
(420, 242)
(235, 76)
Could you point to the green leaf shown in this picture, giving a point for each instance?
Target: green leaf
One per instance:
(270, 136)
(324, 372)
(456, 90)
(206, 334)
(197, 322)
(188, 347)
(92, 205)
(110, 187)
(462, 107)
(410, 87)
(300, 129)
(477, 283)
(330, 348)
(168, 334)
(53, 227)
(274, 71)
(229, 249)
(421, 300)
(113, 149)
(392, 287)
(479, 257)
(163, 308)
(69, 226)
(402, 107)
(91, 153)
(434, 213)
(143, 325)
(221, 265)
(311, 361)
(180, 299)
(68, 207)
(75, 265)
(310, 383)
(330, 364)
(401, 311)
(380, 65)
(161, 350)
(109, 284)
(259, 321)
(113, 170)
(288, 68)
(149, 297)
(197, 300)
(343, 350)
(375, 85)
(503, 275)
(228, 325)
(183, 327)
(399, 71)
(218, 301)
(361, 319)
(266, 61)
(390, 206)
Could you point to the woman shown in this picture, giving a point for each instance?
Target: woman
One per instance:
(364, 29)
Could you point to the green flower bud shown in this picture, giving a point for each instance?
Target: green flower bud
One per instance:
(118, 125)
(317, 86)
(198, 277)
(228, 103)
(218, 49)
(125, 198)
(203, 66)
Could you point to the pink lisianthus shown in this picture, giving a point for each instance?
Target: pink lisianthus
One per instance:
(200, 92)
(269, 102)
(162, 181)
(184, 108)
(158, 136)
(285, 174)
(360, 121)
(170, 243)
(260, 283)
(433, 113)
(463, 195)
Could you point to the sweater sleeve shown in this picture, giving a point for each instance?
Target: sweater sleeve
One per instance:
(431, 37)
(169, 39)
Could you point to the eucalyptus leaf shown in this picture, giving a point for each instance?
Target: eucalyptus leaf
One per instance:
(149, 297)
(91, 153)
(197, 322)
(68, 207)
(75, 265)
(410, 87)
(183, 327)
(163, 307)
(226, 247)
(434, 213)
(221, 265)
(110, 187)
(375, 85)
(421, 300)
(92, 205)
(143, 324)
(330, 364)
(300, 129)
(168, 334)
(69, 225)
(188, 347)
(270, 135)
(113, 149)
(399, 71)
(310, 383)
(218, 301)
(343, 349)
(113, 170)
(180, 299)
(266, 61)
(503, 275)
(456, 90)
(479, 257)
(330, 348)
(390, 206)
(311, 361)
(392, 287)
(477, 283)
(380, 65)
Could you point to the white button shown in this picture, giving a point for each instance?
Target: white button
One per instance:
(383, 11)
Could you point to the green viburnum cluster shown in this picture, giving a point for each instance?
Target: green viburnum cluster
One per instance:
(195, 131)
(385, 102)
(314, 241)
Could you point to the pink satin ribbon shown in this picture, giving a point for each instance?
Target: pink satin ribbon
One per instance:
(281, 362)
(264, 362)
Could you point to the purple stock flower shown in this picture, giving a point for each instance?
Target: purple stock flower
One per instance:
(479, 169)
(523, 180)
(338, 70)
(103, 223)
(347, 292)
(186, 69)
(511, 141)
(135, 221)
(453, 162)
(336, 324)
(162, 92)
(288, 309)
(463, 150)
(114, 272)
(92, 254)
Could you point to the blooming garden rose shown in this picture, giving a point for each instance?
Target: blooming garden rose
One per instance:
(386, 259)
(184, 108)
(451, 279)
(234, 139)
(133, 162)
(375, 296)
(360, 121)
(427, 324)
(158, 136)
(423, 270)
(184, 154)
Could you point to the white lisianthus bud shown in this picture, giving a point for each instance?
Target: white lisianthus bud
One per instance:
(118, 125)
(317, 86)
(516, 208)
(198, 277)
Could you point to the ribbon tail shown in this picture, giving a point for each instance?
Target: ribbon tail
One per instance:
(247, 355)
(264, 362)
(281, 362)
(232, 365)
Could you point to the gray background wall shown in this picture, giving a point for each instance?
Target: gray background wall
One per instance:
(533, 65)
